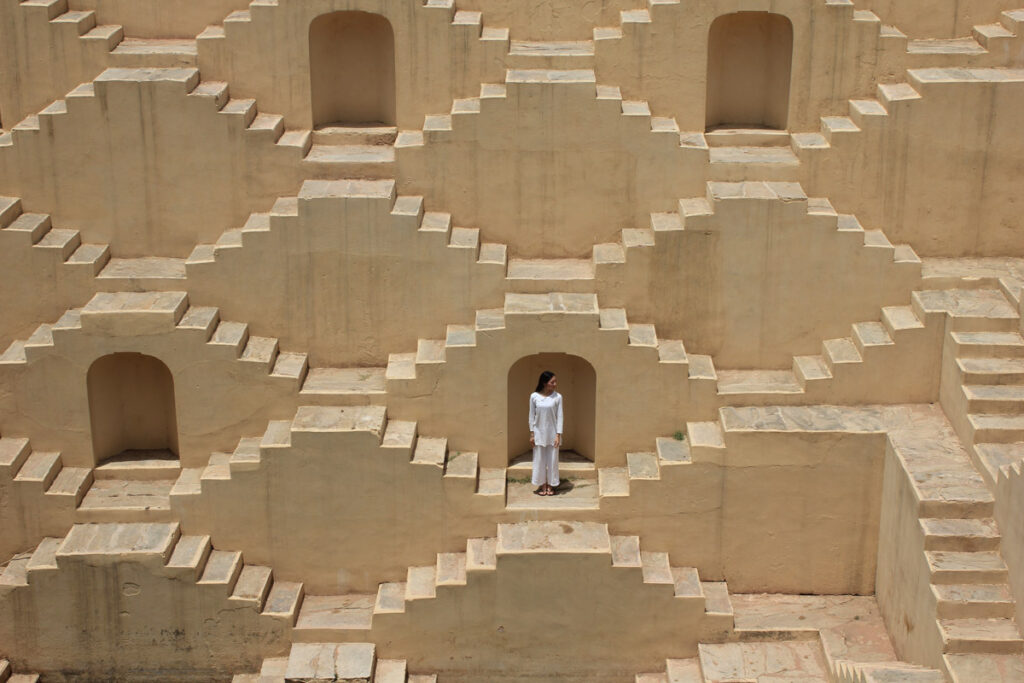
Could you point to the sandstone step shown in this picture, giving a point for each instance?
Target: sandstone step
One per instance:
(974, 668)
(787, 660)
(884, 672)
(342, 382)
(16, 571)
(995, 636)
(956, 601)
(997, 428)
(72, 482)
(39, 470)
(321, 617)
(190, 556)
(950, 567)
(965, 535)
(355, 134)
(988, 344)
(481, 554)
(746, 137)
(390, 671)
(571, 494)
(552, 537)
(154, 53)
(994, 398)
(570, 465)
(549, 270)
(13, 454)
(354, 161)
(551, 54)
(996, 456)
(684, 670)
(642, 466)
(86, 541)
(970, 309)
(222, 569)
(945, 46)
(324, 662)
(253, 585)
(991, 370)
(491, 481)
(754, 156)
(764, 382)
(450, 570)
(312, 422)
(126, 500)
(140, 465)
(284, 600)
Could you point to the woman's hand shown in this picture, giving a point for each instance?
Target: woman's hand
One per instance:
(558, 440)
(531, 439)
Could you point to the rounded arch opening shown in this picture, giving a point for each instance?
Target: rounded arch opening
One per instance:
(131, 408)
(750, 56)
(577, 382)
(352, 69)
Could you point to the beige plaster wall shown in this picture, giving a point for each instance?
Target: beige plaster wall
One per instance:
(903, 580)
(169, 170)
(550, 167)
(160, 18)
(1009, 495)
(126, 616)
(217, 396)
(40, 61)
(755, 281)
(268, 57)
(347, 276)
(940, 171)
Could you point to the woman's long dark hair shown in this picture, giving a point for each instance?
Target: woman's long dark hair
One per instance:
(545, 377)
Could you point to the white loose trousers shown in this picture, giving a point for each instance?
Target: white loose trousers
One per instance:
(545, 465)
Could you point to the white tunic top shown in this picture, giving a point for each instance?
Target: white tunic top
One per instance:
(545, 417)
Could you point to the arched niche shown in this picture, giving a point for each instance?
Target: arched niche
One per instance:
(577, 382)
(750, 56)
(352, 69)
(131, 408)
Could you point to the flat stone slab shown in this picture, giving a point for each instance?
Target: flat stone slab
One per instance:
(851, 626)
(128, 494)
(339, 419)
(575, 494)
(341, 381)
(336, 612)
(794, 661)
(553, 537)
(119, 539)
(150, 267)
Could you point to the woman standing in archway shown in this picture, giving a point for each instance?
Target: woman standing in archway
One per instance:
(546, 433)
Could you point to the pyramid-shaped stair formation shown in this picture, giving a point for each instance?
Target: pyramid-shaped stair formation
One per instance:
(509, 563)
(163, 565)
(333, 662)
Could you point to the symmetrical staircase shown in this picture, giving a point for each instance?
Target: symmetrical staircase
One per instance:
(333, 662)
(987, 392)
